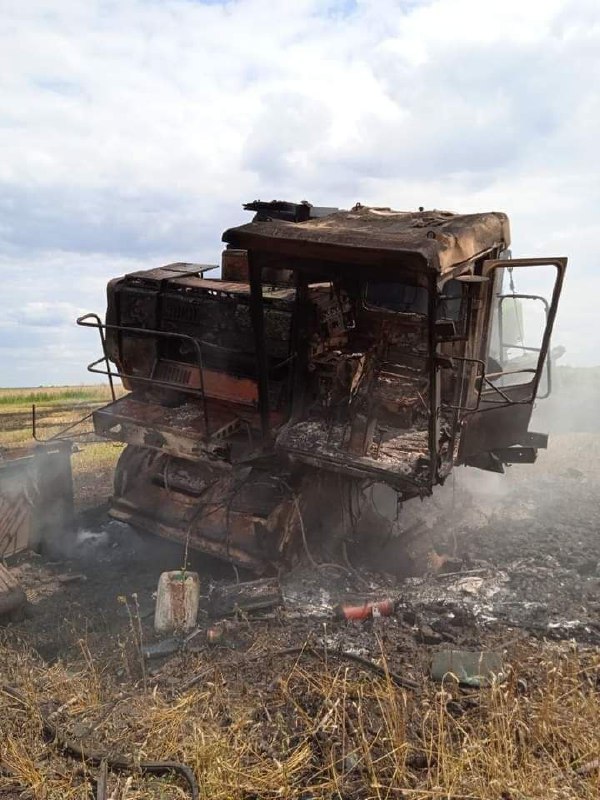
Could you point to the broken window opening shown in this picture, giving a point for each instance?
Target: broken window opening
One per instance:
(397, 297)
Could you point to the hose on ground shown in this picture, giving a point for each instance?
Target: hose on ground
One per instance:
(117, 763)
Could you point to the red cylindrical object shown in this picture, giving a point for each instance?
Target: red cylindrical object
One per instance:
(383, 608)
(214, 635)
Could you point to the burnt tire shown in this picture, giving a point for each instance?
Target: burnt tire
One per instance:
(133, 467)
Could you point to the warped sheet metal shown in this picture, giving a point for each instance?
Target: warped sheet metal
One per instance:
(36, 496)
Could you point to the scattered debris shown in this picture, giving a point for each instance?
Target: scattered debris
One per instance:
(469, 668)
(426, 635)
(255, 697)
(214, 634)
(470, 585)
(194, 640)
(71, 577)
(259, 595)
(161, 649)
(226, 633)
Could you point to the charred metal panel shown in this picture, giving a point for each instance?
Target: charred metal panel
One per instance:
(215, 313)
(395, 457)
(180, 431)
(516, 455)
(246, 515)
(495, 428)
(432, 240)
(36, 497)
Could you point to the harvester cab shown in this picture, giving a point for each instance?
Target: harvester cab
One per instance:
(337, 351)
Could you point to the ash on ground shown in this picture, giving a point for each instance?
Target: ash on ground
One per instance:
(523, 559)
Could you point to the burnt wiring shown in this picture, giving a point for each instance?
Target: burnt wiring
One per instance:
(315, 564)
(203, 512)
(353, 490)
(390, 523)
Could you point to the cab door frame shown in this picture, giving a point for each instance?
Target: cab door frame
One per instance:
(502, 418)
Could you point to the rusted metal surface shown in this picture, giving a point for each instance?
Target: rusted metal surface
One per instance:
(245, 515)
(36, 507)
(401, 460)
(226, 600)
(16, 501)
(352, 344)
(180, 431)
(234, 266)
(36, 496)
(177, 269)
(434, 240)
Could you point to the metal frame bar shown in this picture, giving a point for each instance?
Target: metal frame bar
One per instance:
(509, 400)
(503, 344)
(258, 324)
(299, 347)
(559, 263)
(424, 357)
(58, 436)
(480, 378)
(434, 383)
(84, 321)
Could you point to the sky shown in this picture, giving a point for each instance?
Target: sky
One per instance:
(131, 131)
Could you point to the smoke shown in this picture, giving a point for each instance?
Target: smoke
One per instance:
(572, 406)
(473, 501)
(36, 497)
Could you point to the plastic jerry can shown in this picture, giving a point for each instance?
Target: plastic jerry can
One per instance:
(177, 601)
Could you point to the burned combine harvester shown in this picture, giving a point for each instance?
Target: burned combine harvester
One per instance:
(339, 351)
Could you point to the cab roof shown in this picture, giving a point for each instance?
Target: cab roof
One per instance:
(435, 240)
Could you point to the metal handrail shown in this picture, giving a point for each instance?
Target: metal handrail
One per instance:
(504, 345)
(97, 323)
(479, 379)
(509, 400)
(57, 437)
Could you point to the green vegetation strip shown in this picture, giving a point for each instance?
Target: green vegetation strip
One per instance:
(49, 396)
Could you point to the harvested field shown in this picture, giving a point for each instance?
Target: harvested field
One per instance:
(54, 394)
(56, 409)
(288, 703)
(260, 724)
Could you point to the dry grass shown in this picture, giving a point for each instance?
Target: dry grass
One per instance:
(55, 394)
(93, 469)
(58, 407)
(295, 728)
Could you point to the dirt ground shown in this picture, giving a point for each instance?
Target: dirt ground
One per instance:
(523, 581)
(524, 547)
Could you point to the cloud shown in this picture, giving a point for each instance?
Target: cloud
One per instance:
(43, 314)
(132, 131)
